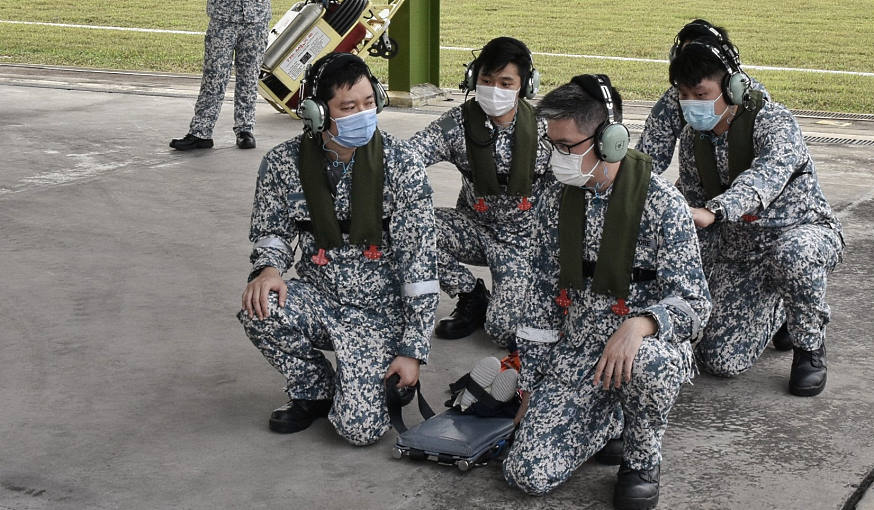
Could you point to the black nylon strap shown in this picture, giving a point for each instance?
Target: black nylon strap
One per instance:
(394, 405)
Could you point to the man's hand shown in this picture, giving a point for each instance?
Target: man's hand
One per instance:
(702, 217)
(406, 368)
(255, 295)
(618, 356)
(523, 408)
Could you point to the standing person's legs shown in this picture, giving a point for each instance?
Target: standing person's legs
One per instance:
(248, 54)
(218, 54)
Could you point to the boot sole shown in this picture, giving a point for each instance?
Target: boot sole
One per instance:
(807, 391)
(284, 427)
(190, 147)
(635, 503)
(455, 336)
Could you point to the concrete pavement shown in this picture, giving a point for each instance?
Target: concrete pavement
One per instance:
(126, 381)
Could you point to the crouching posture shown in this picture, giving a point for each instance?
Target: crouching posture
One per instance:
(617, 294)
(358, 205)
(749, 178)
(493, 141)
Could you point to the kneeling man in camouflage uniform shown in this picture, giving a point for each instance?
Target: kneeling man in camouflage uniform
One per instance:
(749, 178)
(617, 294)
(358, 205)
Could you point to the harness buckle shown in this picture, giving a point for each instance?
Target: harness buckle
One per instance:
(620, 308)
(320, 259)
(563, 300)
(373, 252)
(524, 205)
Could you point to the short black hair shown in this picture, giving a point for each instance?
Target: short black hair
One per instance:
(695, 62)
(336, 70)
(499, 52)
(697, 29)
(582, 101)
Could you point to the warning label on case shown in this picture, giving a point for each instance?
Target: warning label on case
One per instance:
(305, 52)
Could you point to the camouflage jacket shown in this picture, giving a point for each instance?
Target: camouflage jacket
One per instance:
(664, 125)
(239, 11)
(401, 284)
(443, 140)
(767, 192)
(570, 345)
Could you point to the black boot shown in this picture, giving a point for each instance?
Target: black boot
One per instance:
(611, 454)
(808, 372)
(635, 489)
(468, 316)
(246, 140)
(189, 142)
(781, 339)
(298, 414)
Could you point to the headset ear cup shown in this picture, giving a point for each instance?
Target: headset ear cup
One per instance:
(469, 83)
(735, 87)
(313, 114)
(533, 84)
(612, 142)
(380, 96)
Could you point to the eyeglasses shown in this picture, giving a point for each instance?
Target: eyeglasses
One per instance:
(564, 148)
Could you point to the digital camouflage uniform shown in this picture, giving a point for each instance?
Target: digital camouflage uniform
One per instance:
(664, 125)
(499, 237)
(568, 419)
(367, 311)
(778, 241)
(237, 34)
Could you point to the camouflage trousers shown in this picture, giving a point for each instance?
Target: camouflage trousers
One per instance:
(292, 338)
(462, 240)
(227, 43)
(566, 424)
(757, 278)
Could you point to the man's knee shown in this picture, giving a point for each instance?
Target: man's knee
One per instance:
(359, 430)
(529, 476)
(719, 361)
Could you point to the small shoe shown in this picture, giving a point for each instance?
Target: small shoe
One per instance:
(504, 386)
(483, 373)
(189, 142)
(781, 340)
(298, 414)
(808, 372)
(611, 454)
(636, 489)
(245, 140)
(468, 316)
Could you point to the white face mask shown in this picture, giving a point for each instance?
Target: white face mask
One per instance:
(495, 101)
(567, 168)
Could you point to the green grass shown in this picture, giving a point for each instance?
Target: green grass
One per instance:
(823, 34)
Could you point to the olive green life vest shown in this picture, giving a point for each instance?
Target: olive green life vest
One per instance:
(480, 142)
(613, 269)
(365, 207)
(740, 149)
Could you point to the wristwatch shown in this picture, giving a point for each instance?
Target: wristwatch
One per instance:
(716, 209)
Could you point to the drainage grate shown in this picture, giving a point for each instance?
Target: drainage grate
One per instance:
(833, 115)
(838, 141)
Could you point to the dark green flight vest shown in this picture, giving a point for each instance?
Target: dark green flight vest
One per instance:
(480, 142)
(740, 149)
(613, 272)
(366, 223)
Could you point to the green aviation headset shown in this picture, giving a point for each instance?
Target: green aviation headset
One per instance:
(736, 83)
(529, 88)
(611, 136)
(312, 110)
